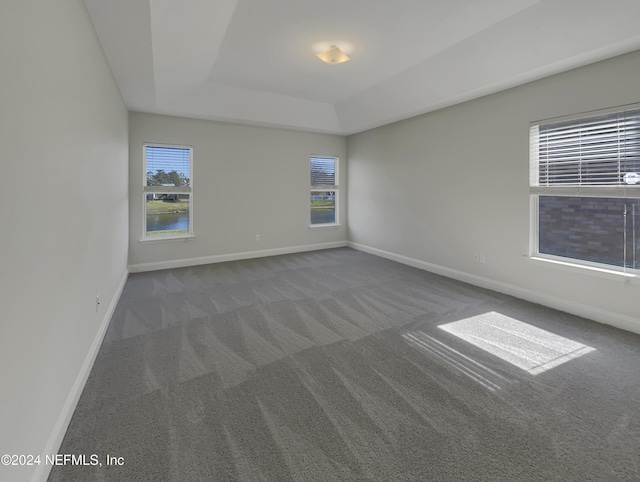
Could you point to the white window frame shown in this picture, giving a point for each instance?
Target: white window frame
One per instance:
(166, 190)
(606, 189)
(324, 188)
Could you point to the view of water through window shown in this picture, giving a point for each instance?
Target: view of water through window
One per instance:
(168, 214)
(323, 216)
(167, 222)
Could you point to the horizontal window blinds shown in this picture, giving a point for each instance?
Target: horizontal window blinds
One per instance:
(167, 168)
(323, 171)
(600, 150)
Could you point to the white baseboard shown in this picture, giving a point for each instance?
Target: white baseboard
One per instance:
(221, 258)
(60, 428)
(592, 313)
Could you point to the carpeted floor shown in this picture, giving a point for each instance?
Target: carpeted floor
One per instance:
(339, 365)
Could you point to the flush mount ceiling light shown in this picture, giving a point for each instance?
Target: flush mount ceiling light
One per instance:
(333, 56)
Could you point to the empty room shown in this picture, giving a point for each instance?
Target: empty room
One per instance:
(283, 240)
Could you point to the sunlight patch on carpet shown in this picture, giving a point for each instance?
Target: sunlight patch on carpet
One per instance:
(525, 346)
(455, 360)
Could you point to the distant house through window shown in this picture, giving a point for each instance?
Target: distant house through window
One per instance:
(324, 191)
(168, 183)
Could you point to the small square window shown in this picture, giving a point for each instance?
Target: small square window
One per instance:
(168, 214)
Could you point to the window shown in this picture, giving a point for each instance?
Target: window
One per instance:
(324, 191)
(167, 192)
(585, 188)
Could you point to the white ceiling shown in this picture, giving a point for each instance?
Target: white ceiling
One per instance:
(253, 62)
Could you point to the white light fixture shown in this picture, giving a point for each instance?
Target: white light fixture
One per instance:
(333, 56)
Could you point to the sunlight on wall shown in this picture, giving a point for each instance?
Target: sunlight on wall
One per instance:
(525, 346)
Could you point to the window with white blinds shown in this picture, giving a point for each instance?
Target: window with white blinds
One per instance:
(324, 190)
(167, 190)
(585, 186)
(599, 150)
(167, 166)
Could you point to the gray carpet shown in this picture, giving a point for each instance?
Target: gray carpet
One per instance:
(339, 365)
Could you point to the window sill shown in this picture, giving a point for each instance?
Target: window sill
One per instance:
(628, 276)
(323, 226)
(166, 239)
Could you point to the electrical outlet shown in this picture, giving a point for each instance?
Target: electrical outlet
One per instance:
(479, 258)
(97, 303)
(257, 237)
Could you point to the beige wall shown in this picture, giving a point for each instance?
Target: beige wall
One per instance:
(440, 187)
(64, 216)
(246, 181)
